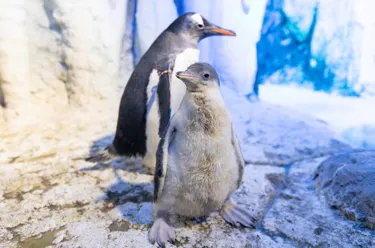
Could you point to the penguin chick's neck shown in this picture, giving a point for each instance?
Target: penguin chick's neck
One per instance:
(207, 110)
(210, 93)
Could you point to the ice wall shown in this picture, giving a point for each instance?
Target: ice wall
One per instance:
(366, 19)
(324, 44)
(151, 18)
(59, 53)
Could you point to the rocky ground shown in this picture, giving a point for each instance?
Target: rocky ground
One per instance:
(48, 197)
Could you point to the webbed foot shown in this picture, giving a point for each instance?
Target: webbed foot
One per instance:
(237, 216)
(161, 233)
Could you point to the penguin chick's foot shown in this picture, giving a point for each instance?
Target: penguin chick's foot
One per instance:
(236, 215)
(161, 232)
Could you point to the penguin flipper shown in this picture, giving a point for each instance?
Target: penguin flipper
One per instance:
(165, 68)
(162, 160)
(239, 156)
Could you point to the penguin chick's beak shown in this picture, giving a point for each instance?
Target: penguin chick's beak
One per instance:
(189, 80)
(215, 30)
(182, 75)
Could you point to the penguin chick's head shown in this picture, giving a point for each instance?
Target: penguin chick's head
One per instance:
(198, 77)
(194, 26)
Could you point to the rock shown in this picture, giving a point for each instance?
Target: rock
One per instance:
(302, 216)
(270, 134)
(64, 204)
(348, 183)
(14, 67)
(59, 54)
(5, 235)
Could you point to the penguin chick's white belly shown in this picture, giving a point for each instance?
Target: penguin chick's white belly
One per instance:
(202, 169)
(182, 62)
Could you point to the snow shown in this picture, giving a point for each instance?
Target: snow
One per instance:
(353, 118)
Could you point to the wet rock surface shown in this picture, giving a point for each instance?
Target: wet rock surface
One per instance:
(305, 217)
(76, 204)
(348, 183)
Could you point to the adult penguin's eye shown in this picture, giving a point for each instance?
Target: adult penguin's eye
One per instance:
(200, 26)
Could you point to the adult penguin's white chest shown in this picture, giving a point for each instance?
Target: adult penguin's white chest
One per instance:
(177, 87)
(183, 61)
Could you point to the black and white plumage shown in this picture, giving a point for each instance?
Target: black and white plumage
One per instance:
(199, 160)
(153, 93)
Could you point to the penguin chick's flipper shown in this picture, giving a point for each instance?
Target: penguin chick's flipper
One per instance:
(236, 215)
(162, 159)
(106, 155)
(161, 232)
(165, 68)
(239, 156)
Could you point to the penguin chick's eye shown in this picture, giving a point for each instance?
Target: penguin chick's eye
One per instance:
(200, 26)
(206, 76)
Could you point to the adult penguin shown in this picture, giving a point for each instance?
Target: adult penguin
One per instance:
(153, 92)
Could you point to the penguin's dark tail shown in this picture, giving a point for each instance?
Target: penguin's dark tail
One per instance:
(106, 155)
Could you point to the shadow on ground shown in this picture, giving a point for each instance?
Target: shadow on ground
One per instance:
(133, 186)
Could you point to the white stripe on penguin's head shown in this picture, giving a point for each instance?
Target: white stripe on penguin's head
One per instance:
(197, 18)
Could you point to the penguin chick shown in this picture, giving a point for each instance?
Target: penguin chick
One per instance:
(199, 161)
(153, 93)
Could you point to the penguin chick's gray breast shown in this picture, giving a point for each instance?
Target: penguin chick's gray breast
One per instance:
(199, 163)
